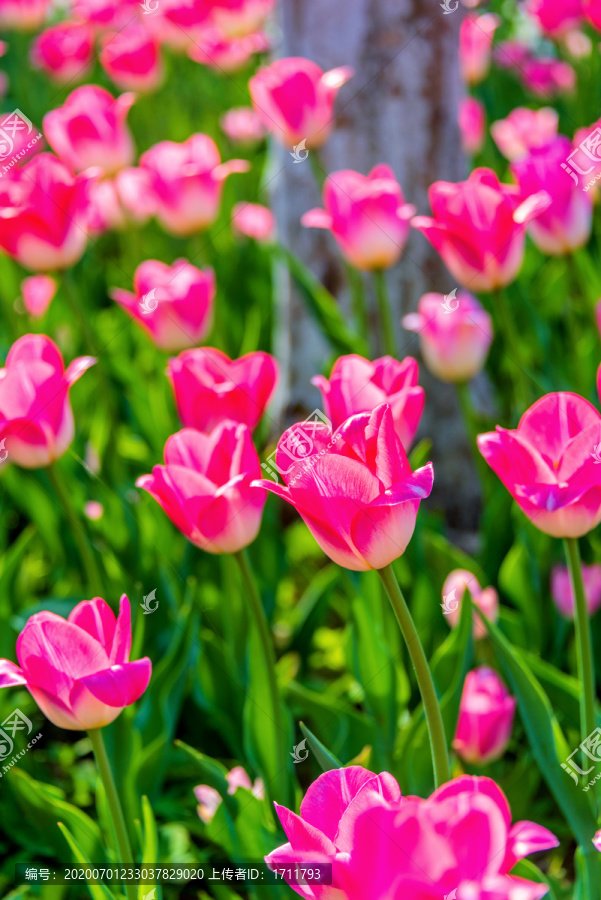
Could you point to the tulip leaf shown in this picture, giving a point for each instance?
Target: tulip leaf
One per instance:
(97, 891)
(150, 845)
(324, 757)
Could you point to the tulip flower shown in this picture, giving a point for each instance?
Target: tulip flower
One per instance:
(205, 487)
(106, 13)
(254, 221)
(64, 52)
(549, 464)
(524, 130)
(486, 599)
(173, 304)
(592, 12)
(294, 99)
(210, 387)
(131, 59)
(486, 712)
(563, 594)
(455, 334)
(43, 214)
(23, 15)
(556, 17)
(478, 228)
(133, 187)
(186, 181)
(458, 842)
(90, 130)
(35, 414)
(475, 46)
(237, 18)
(209, 800)
(211, 48)
(472, 125)
(243, 126)
(512, 54)
(77, 669)
(178, 23)
(546, 76)
(357, 385)
(37, 292)
(597, 841)
(367, 216)
(566, 223)
(106, 210)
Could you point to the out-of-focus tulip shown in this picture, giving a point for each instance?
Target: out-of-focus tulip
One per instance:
(577, 43)
(37, 292)
(456, 584)
(237, 18)
(77, 669)
(64, 52)
(478, 228)
(93, 510)
(294, 99)
(36, 419)
(43, 214)
(357, 385)
(563, 595)
(555, 17)
(566, 223)
(186, 181)
(367, 216)
(485, 720)
(23, 15)
(106, 211)
(210, 387)
(353, 488)
(472, 124)
(91, 130)
(134, 190)
(173, 304)
(105, 14)
(243, 126)
(512, 54)
(131, 59)
(209, 800)
(524, 130)
(549, 464)
(177, 23)
(547, 77)
(211, 48)
(204, 487)
(461, 838)
(592, 12)
(597, 841)
(254, 221)
(455, 334)
(475, 46)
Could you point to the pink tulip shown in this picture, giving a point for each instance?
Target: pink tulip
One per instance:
(90, 130)
(353, 488)
(457, 843)
(37, 292)
(478, 228)
(107, 13)
(455, 334)
(254, 221)
(77, 669)
(35, 414)
(512, 54)
(186, 181)
(237, 18)
(131, 60)
(209, 800)
(546, 77)
(173, 304)
(64, 52)
(367, 216)
(472, 125)
(43, 214)
(486, 599)
(205, 487)
(294, 99)
(566, 223)
(475, 46)
(210, 387)
(211, 48)
(555, 17)
(243, 126)
(178, 23)
(357, 385)
(133, 187)
(485, 720)
(549, 466)
(563, 596)
(23, 15)
(93, 510)
(592, 12)
(524, 130)
(106, 210)
(597, 841)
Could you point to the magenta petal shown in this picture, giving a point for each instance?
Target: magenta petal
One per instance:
(121, 684)
(327, 798)
(303, 835)
(10, 674)
(524, 838)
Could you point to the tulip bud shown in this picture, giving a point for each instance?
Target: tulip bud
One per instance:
(563, 595)
(485, 720)
(486, 599)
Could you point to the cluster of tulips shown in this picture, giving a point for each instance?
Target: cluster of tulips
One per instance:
(347, 475)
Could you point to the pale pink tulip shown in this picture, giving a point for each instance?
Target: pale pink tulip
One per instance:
(563, 595)
(211, 48)
(209, 800)
(524, 130)
(64, 52)
(103, 14)
(77, 669)
(254, 221)
(37, 292)
(237, 18)
(475, 46)
(106, 210)
(93, 510)
(210, 387)
(243, 126)
(456, 584)
(23, 15)
(485, 719)
(131, 59)
(205, 487)
(133, 187)
(472, 125)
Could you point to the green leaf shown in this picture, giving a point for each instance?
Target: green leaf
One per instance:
(150, 845)
(97, 891)
(324, 757)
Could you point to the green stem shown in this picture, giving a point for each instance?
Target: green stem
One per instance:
(126, 856)
(384, 312)
(260, 621)
(88, 560)
(513, 341)
(584, 644)
(358, 306)
(438, 741)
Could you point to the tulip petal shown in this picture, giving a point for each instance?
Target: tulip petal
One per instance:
(525, 838)
(10, 674)
(328, 797)
(76, 368)
(120, 685)
(316, 218)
